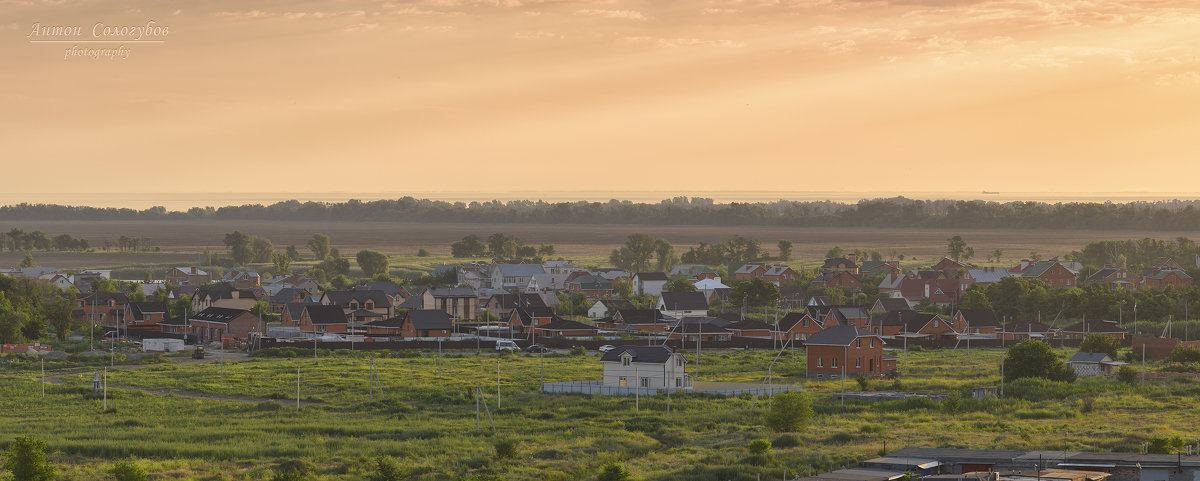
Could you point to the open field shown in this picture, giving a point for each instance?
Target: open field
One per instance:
(595, 241)
(428, 422)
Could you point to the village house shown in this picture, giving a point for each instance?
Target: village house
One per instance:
(286, 296)
(889, 304)
(846, 351)
(559, 327)
(1080, 330)
(242, 279)
(220, 323)
(273, 285)
(1021, 330)
(841, 279)
(363, 305)
(416, 323)
(928, 326)
(594, 287)
(797, 326)
(477, 275)
(502, 304)
(644, 366)
(187, 275)
(514, 276)
(146, 315)
(559, 267)
(642, 320)
(650, 283)
(290, 316)
(683, 304)
(323, 318)
(751, 328)
(693, 272)
(227, 296)
(779, 275)
(100, 307)
(1053, 273)
(976, 321)
(872, 269)
(847, 316)
(1163, 278)
(890, 324)
(603, 307)
(1111, 277)
(986, 276)
(951, 268)
(1093, 364)
(748, 272)
(847, 264)
(522, 320)
(459, 302)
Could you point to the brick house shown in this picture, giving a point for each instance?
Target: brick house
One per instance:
(459, 302)
(1053, 273)
(681, 304)
(242, 279)
(101, 307)
(748, 272)
(424, 323)
(146, 314)
(191, 276)
(594, 287)
(286, 296)
(797, 326)
(1111, 277)
(889, 304)
(1162, 278)
(976, 321)
(751, 328)
(929, 326)
(559, 327)
(847, 316)
(847, 264)
(780, 274)
(839, 279)
(649, 320)
(351, 302)
(216, 323)
(845, 350)
(322, 318)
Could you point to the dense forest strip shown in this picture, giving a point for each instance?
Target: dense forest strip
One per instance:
(894, 212)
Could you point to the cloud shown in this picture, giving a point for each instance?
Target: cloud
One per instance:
(838, 47)
(536, 35)
(361, 27)
(1182, 78)
(619, 14)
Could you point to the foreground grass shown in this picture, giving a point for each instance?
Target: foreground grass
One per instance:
(428, 421)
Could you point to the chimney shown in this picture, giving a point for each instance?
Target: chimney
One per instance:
(852, 257)
(927, 290)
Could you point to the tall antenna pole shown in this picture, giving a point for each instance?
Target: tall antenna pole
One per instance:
(297, 387)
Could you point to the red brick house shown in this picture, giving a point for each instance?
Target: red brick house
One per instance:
(798, 326)
(146, 314)
(1162, 278)
(847, 316)
(847, 264)
(424, 323)
(748, 272)
(751, 328)
(845, 350)
(976, 321)
(838, 279)
(929, 326)
(891, 323)
(1111, 277)
(950, 267)
(560, 327)
(191, 276)
(1052, 273)
(524, 319)
(1021, 330)
(594, 287)
(102, 307)
(639, 320)
(780, 274)
(322, 318)
(217, 323)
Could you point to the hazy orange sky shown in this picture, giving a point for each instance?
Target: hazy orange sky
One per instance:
(428, 95)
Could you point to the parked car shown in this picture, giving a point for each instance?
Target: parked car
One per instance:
(507, 345)
(606, 348)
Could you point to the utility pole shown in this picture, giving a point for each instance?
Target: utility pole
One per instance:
(43, 376)
(297, 387)
(106, 389)
(497, 383)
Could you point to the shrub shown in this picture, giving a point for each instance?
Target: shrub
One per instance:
(387, 469)
(1101, 343)
(1185, 354)
(128, 470)
(26, 458)
(1035, 358)
(613, 471)
(862, 381)
(759, 446)
(952, 404)
(786, 441)
(1127, 374)
(1087, 404)
(790, 411)
(578, 351)
(1166, 444)
(505, 448)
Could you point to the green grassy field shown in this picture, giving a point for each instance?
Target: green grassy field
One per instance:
(428, 421)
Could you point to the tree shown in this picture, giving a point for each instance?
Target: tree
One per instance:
(372, 262)
(996, 254)
(1100, 343)
(622, 288)
(128, 470)
(613, 471)
(956, 247)
(1127, 374)
(664, 253)
(546, 250)
(679, 285)
(239, 247)
(319, 245)
(1035, 358)
(754, 293)
(635, 255)
(282, 264)
(341, 282)
(833, 253)
(32, 328)
(975, 299)
(790, 412)
(422, 253)
(262, 249)
(469, 246)
(59, 313)
(785, 250)
(27, 261)
(292, 253)
(26, 459)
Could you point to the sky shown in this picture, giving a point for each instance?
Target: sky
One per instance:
(622, 95)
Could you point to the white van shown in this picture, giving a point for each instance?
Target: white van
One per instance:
(507, 345)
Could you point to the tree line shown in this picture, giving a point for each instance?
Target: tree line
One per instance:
(897, 211)
(20, 240)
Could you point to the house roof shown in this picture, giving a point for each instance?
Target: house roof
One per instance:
(1094, 325)
(894, 318)
(520, 270)
(776, 270)
(820, 301)
(218, 314)
(747, 268)
(560, 324)
(684, 301)
(640, 316)
(388, 287)
(510, 301)
(325, 314)
(1026, 326)
(749, 324)
(988, 276)
(1089, 357)
(789, 320)
(414, 302)
(527, 314)
(641, 354)
(288, 294)
(1163, 273)
(139, 309)
(710, 285)
(342, 298)
(795, 293)
(395, 322)
(592, 283)
(189, 271)
(452, 292)
(429, 319)
(1038, 268)
(980, 317)
(616, 303)
(651, 276)
(295, 309)
(890, 304)
(837, 336)
(833, 263)
(1103, 273)
(919, 320)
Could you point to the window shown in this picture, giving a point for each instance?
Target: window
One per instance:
(820, 362)
(872, 342)
(678, 382)
(858, 343)
(353, 305)
(804, 323)
(833, 362)
(858, 362)
(936, 323)
(625, 361)
(679, 361)
(621, 381)
(645, 382)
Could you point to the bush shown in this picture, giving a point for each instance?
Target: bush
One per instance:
(1035, 358)
(1166, 444)
(128, 470)
(387, 469)
(613, 471)
(422, 253)
(1185, 354)
(505, 448)
(786, 441)
(1127, 374)
(790, 411)
(1101, 343)
(578, 351)
(759, 446)
(952, 404)
(26, 458)
(863, 383)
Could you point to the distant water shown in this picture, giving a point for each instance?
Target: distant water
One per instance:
(184, 201)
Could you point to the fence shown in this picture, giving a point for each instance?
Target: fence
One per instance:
(598, 387)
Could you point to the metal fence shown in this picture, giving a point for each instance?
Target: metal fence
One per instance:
(598, 387)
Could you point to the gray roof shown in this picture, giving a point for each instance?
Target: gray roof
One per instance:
(452, 292)
(651, 276)
(341, 298)
(894, 304)
(520, 270)
(838, 336)
(641, 354)
(1089, 357)
(218, 314)
(323, 314)
(689, 301)
(429, 319)
(986, 276)
(980, 317)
